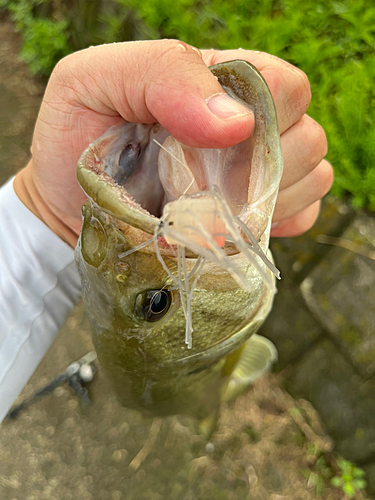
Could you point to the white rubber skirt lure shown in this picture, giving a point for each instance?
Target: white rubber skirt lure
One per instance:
(204, 223)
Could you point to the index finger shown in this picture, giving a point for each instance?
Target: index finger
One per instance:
(289, 85)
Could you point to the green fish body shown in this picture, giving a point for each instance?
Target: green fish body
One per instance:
(137, 313)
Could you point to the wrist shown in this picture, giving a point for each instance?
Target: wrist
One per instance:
(27, 191)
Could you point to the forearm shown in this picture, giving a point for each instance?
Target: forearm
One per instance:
(39, 285)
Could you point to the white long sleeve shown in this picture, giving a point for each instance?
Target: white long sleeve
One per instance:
(39, 285)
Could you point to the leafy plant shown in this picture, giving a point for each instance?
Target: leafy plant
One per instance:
(350, 480)
(45, 41)
(333, 41)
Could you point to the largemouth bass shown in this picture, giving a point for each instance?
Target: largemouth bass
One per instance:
(173, 257)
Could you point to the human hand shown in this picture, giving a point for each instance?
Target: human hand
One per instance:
(163, 81)
(307, 177)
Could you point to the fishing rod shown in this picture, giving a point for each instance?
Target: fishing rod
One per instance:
(77, 375)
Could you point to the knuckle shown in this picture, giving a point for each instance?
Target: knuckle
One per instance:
(323, 179)
(176, 46)
(61, 67)
(311, 216)
(64, 71)
(58, 70)
(320, 139)
(303, 86)
(167, 58)
(315, 139)
(327, 176)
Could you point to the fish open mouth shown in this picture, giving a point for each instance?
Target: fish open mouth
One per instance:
(211, 202)
(155, 169)
(144, 177)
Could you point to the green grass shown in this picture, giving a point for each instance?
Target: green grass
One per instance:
(332, 41)
(349, 480)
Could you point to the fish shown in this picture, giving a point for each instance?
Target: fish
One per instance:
(174, 258)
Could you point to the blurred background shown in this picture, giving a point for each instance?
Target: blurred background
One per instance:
(323, 320)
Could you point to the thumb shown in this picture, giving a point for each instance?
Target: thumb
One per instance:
(186, 98)
(163, 81)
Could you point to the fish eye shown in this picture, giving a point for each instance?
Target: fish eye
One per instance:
(153, 304)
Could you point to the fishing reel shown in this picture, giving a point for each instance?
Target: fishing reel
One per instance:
(77, 375)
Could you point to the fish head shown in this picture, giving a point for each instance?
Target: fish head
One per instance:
(153, 204)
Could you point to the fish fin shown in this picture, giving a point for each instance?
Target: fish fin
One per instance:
(207, 425)
(256, 358)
